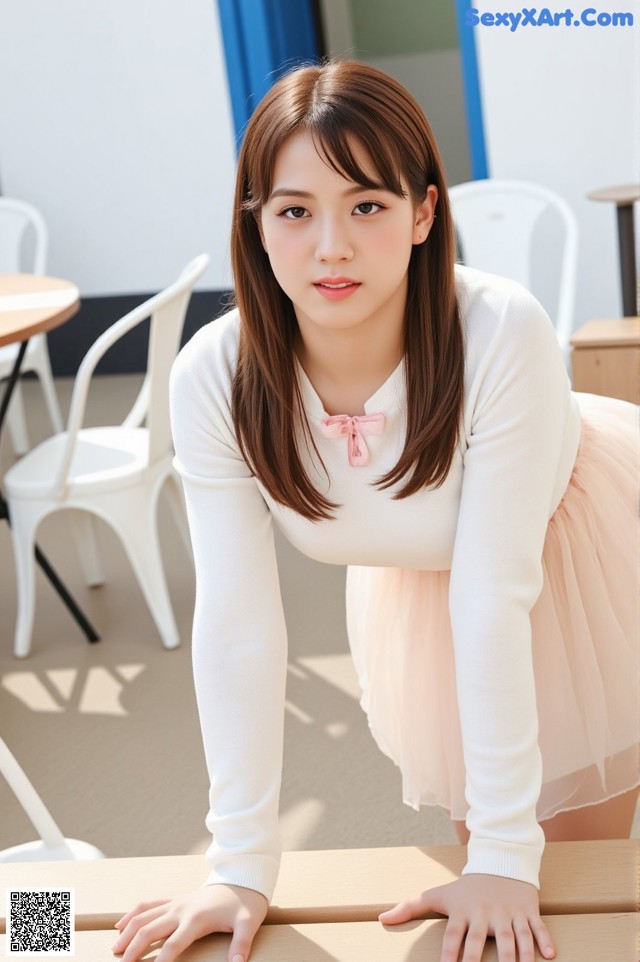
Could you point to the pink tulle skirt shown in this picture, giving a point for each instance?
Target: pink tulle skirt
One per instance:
(584, 634)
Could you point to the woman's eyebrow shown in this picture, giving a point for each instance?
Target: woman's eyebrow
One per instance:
(350, 191)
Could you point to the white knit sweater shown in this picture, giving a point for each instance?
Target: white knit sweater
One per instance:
(486, 524)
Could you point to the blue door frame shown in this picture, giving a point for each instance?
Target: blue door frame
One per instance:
(473, 99)
(262, 40)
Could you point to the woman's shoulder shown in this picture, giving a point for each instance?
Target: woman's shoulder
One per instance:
(504, 326)
(491, 293)
(498, 311)
(200, 394)
(209, 358)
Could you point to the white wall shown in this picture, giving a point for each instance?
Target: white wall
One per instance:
(562, 107)
(115, 121)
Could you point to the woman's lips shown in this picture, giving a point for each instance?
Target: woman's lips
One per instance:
(336, 290)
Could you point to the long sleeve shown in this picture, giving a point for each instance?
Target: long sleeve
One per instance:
(519, 402)
(239, 634)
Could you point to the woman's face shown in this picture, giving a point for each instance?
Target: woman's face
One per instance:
(340, 251)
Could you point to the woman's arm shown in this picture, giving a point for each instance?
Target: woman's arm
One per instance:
(519, 429)
(239, 634)
(521, 407)
(239, 662)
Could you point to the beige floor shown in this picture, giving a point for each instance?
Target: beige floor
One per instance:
(109, 734)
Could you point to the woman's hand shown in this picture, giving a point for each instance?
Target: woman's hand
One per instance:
(182, 920)
(478, 906)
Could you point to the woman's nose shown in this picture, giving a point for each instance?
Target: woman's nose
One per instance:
(333, 243)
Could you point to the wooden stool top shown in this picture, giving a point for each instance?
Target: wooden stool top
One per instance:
(613, 332)
(622, 196)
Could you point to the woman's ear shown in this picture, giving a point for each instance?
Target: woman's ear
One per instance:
(425, 214)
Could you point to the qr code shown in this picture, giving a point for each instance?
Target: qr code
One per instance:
(40, 922)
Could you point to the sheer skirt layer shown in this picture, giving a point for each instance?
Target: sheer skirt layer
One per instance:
(584, 635)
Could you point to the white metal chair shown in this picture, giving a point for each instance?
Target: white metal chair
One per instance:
(52, 845)
(496, 220)
(114, 473)
(16, 219)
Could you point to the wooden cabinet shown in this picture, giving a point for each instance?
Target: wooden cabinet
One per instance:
(605, 358)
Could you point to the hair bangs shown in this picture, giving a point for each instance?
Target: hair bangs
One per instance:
(328, 134)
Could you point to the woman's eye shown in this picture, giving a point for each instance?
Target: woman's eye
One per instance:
(367, 207)
(294, 213)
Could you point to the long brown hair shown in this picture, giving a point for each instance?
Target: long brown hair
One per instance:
(332, 101)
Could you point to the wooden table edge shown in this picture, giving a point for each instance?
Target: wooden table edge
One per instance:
(42, 326)
(620, 860)
(614, 933)
(53, 316)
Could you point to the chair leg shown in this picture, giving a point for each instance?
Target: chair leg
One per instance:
(38, 813)
(45, 376)
(175, 498)
(17, 422)
(83, 525)
(23, 529)
(141, 543)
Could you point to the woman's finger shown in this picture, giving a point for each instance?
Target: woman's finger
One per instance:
(149, 933)
(183, 936)
(453, 938)
(543, 937)
(505, 941)
(418, 908)
(475, 941)
(137, 910)
(130, 939)
(401, 912)
(242, 940)
(524, 939)
(404, 912)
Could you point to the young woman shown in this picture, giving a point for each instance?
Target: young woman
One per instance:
(412, 419)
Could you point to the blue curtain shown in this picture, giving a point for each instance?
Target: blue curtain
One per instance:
(262, 40)
(473, 100)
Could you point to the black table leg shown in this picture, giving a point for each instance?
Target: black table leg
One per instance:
(77, 613)
(56, 583)
(11, 383)
(626, 242)
(624, 197)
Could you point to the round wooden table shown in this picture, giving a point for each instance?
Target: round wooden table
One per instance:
(33, 304)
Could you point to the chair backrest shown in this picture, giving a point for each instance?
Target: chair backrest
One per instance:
(16, 217)
(496, 220)
(167, 321)
(167, 311)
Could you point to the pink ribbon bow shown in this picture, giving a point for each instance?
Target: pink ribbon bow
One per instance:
(355, 428)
